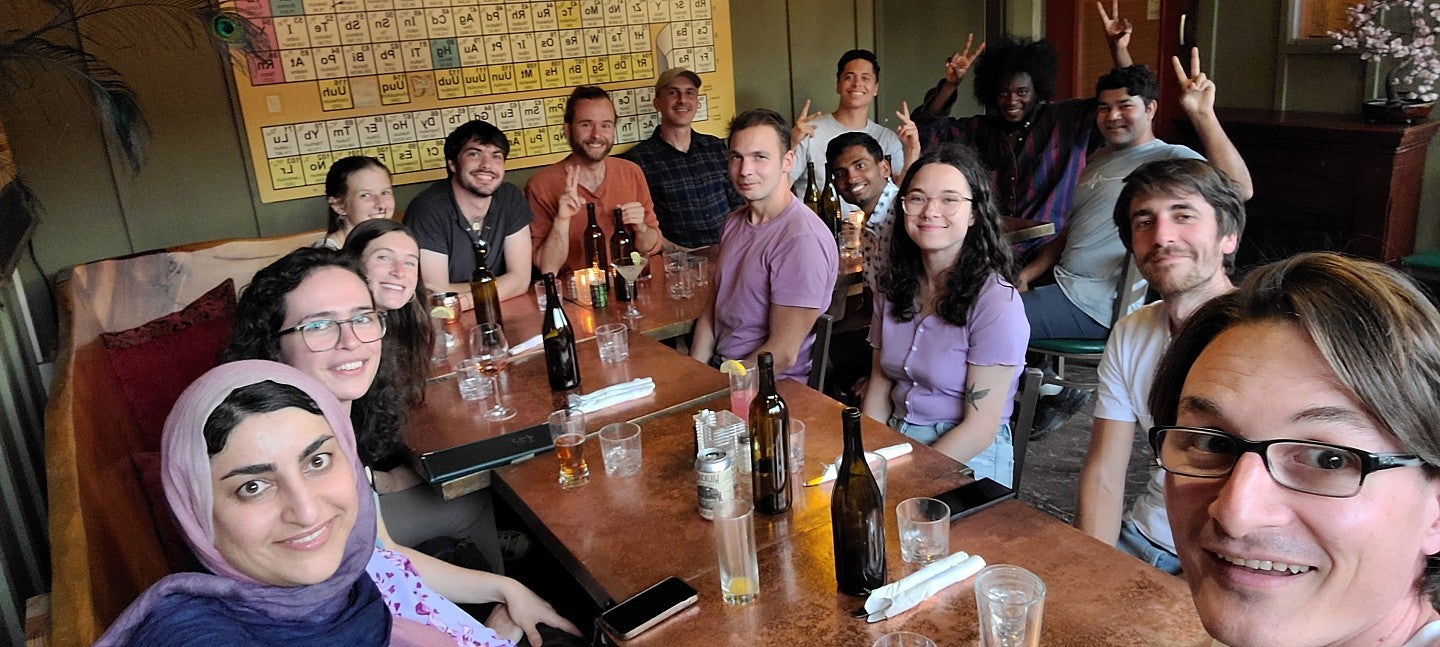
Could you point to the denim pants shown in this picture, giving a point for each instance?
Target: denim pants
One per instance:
(996, 462)
(1133, 542)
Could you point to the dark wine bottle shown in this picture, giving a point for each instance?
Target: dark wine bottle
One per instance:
(812, 193)
(483, 289)
(857, 516)
(562, 364)
(835, 216)
(620, 248)
(595, 242)
(769, 443)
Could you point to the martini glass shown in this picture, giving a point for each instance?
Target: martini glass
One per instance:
(630, 270)
(489, 347)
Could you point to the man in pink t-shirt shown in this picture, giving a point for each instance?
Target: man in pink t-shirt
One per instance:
(778, 261)
(559, 192)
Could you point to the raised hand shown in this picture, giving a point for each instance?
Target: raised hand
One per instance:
(909, 133)
(1117, 29)
(804, 125)
(1197, 92)
(959, 63)
(570, 203)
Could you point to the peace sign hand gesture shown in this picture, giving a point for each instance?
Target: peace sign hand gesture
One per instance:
(1117, 29)
(804, 124)
(1197, 92)
(908, 132)
(959, 63)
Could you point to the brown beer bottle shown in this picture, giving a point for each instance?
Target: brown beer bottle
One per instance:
(812, 194)
(857, 516)
(769, 443)
(483, 289)
(562, 364)
(595, 242)
(620, 248)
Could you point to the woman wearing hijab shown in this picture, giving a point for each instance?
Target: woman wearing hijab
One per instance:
(259, 467)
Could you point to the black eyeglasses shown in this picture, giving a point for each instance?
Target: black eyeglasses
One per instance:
(1301, 465)
(321, 335)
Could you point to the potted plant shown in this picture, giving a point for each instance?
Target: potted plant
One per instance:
(1399, 36)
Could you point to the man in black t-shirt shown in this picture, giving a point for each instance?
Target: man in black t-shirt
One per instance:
(473, 201)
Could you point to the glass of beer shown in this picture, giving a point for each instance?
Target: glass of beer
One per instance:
(567, 429)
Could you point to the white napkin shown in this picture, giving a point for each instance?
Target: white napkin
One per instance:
(900, 596)
(613, 395)
(526, 345)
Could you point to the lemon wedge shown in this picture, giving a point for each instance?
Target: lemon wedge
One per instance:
(636, 258)
(732, 367)
(740, 585)
(442, 312)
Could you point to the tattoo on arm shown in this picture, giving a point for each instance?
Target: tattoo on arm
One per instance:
(973, 396)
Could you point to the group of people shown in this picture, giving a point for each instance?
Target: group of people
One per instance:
(284, 469)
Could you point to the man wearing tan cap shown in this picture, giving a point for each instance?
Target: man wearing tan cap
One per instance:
(687, 173)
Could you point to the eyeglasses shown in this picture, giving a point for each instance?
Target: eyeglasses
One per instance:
(1301, 465)
(947, 205)
(321, 335)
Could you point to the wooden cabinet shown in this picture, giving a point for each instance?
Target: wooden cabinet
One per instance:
(1327, 182)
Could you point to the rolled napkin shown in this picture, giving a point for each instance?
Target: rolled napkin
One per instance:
(613, 395)
(890, 453)
(900, 596)
(525, 346)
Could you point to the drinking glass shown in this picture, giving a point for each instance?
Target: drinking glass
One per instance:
(743, 388)
(924, 529)
(698, 275)
(614, 343)
(678, 282)
(1010, 601)
(629, 270)
(797, 445)
(904, 639)
(489, 347)
(620, 447)
(567, 429)
(540, 295)
(735, 546)
(471, 381)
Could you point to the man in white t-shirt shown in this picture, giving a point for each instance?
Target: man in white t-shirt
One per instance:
(1299, 428)
(1182, 220)
(857, 80)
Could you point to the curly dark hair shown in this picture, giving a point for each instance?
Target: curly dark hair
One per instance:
(1137, 81)
(983, 253)
(337, 184)
(1001, 61)
(379, 414)
(408, 336)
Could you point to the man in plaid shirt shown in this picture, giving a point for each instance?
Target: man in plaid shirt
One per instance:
(687, 171)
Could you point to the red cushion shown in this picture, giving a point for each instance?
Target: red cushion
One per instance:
(177, 554)
(154, 362)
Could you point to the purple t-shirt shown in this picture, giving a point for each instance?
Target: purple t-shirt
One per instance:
(928, 358)
(790, 261)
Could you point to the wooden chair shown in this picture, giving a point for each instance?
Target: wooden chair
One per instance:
(820, 352)
(1129, 290)
(1023, 418)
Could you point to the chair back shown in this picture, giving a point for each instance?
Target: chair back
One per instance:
(820, 352)
(1130, 291)
(1026, 398)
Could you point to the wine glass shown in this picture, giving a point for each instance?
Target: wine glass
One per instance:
(630, 270)
(489, 347)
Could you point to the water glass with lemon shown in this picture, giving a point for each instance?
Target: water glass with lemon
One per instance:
(735, 546)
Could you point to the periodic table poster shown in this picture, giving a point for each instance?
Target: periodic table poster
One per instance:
(391, 78)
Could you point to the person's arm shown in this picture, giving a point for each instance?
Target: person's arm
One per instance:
(938, 103)
(1117, 33)
(876, 402)
(435, 267)
(788, 327)
(466, 586)
(1197, 98)
(516, 279)
(909, 135)
(1102, 479)
(554, 248)
(702, 342)
(1045, 258)
(985, 391)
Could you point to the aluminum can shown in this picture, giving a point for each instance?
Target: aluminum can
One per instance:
(599, 294)
(714, 480)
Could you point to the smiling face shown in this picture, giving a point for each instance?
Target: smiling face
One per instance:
(1124, 120)
(1017, 98)
(285, 498)
(331, 293)
(857, 84)
(931, 231)
(592, 129)
(478, 168)
(1177, 242)
(859, 177)
(1353, 563)
(757, 163)
(368, 194)
(677, 102)
(392, 265)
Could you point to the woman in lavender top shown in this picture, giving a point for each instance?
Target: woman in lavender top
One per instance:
(949, 330)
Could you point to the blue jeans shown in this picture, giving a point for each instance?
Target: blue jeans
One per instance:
(1052, 315)
(996, 462)
(1133, 542)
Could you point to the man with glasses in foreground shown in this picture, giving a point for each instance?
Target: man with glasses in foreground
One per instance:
(1300, 429)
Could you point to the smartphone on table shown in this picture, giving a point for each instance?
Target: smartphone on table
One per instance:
(648, 608)
(974, 497)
